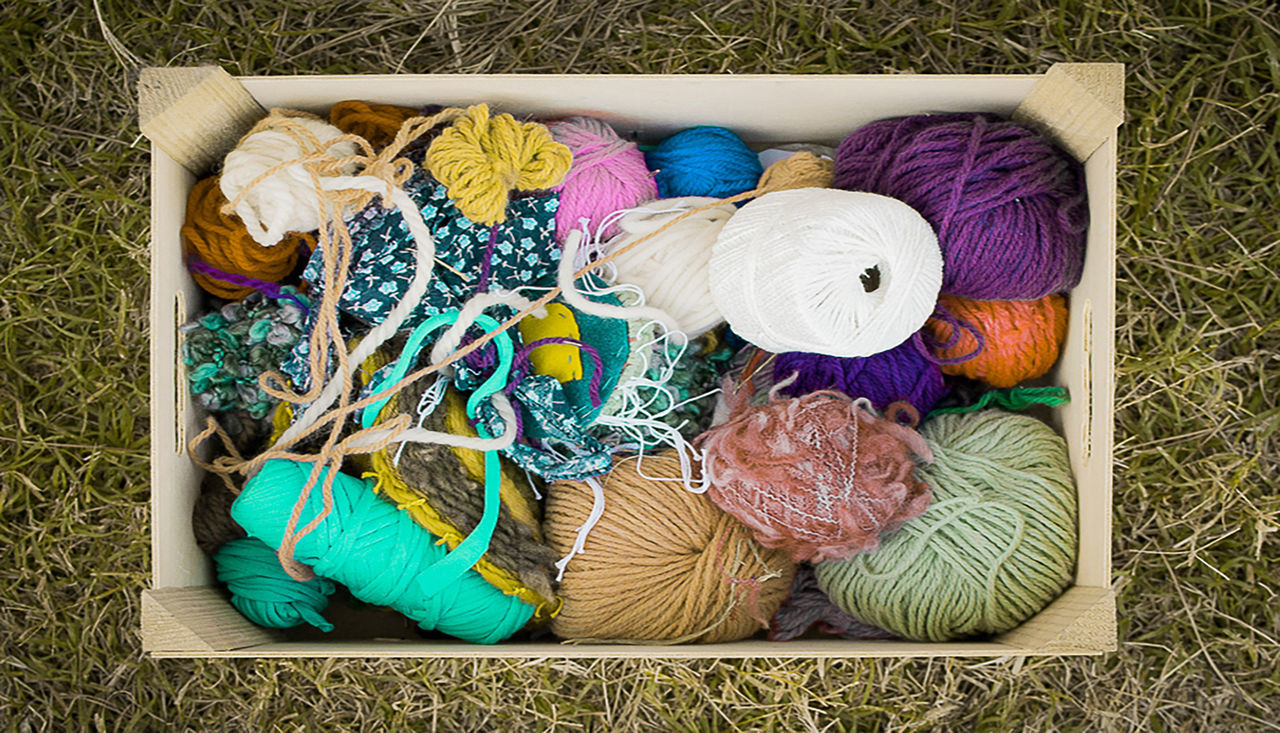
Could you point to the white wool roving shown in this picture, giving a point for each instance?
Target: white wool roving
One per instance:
(671, 268)
(287, 200)
(841, 273)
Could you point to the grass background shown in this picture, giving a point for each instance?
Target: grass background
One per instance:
(1198, 334)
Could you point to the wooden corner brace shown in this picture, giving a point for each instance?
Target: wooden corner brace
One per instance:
(195, 114)
(1078, 105)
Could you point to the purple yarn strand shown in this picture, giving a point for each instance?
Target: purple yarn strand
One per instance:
(928, 346)
(269, 289)
(486, 264)
(597, 364)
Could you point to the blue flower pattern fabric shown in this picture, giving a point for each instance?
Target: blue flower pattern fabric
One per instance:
(544, 404)
(382, 260)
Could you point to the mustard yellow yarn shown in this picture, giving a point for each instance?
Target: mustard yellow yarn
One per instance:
(481, 159)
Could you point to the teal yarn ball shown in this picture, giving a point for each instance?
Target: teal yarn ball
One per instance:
(704, 161)
(997, 544)
(378, 552)
(264, 592)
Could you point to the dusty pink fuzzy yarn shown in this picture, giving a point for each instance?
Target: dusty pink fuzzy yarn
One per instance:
(608, 174)
(819, 476)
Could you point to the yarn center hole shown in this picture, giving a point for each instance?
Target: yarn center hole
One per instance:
(870, 279)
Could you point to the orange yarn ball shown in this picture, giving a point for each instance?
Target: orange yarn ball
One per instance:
(1021, 338)
(222, 242)
(377, 123)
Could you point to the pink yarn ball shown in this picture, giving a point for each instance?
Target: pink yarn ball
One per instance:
(818, 476)
(608, 174)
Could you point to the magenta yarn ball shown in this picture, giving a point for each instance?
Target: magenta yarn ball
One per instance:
(1007, 204)
(901, 374)
(608, 174)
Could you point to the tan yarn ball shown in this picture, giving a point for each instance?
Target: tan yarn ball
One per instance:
(662, 564)
(802, 170)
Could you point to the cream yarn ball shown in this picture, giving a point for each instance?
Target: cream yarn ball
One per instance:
(286, 201)
(842, 273)
(671, 268)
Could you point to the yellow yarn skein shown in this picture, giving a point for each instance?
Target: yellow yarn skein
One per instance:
(481, 159)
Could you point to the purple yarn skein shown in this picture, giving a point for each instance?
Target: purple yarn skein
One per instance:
(899, 374)
(1007, 204)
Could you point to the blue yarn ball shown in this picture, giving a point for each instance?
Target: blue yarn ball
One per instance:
(704, 161)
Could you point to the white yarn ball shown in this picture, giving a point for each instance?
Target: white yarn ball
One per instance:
(671, 268)
(825, 271)
(287, 200)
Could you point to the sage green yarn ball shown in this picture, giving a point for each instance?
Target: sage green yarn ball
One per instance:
(997, 544)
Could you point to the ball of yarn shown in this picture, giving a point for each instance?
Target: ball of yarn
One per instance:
(223, 258)
(378, 552)
(287, 200)
(995, 547)
(662, 564)
(481, 159)
(608, 174)
(807, 606)
(901, 374)
(1020, 338)
(826, 271)
(266, 595)
(211, 520)
(672, 268)
(802, 170)
(1007, 204)
(703, 161)
(376, 123)
(818, 476)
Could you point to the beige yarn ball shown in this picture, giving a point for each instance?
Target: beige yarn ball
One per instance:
(671, 268)
(662, 564)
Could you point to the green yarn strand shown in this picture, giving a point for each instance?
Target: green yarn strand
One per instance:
(1015, 399)
(997, 544)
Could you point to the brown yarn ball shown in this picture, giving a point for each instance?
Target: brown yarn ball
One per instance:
(211, 516)
(662, 564)
(377, 123)
(222, 241)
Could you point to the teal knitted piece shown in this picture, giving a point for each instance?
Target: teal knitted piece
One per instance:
(225, 351)
(609, 337)
(997, 544)
(264, 592)
(379, 553)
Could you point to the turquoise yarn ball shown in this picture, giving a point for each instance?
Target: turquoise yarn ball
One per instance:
(264, 592)
(997, 544)
(704, 161)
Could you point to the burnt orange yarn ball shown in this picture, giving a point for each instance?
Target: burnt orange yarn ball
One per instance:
(1021, 338)
(222, 241)
(377, 123)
